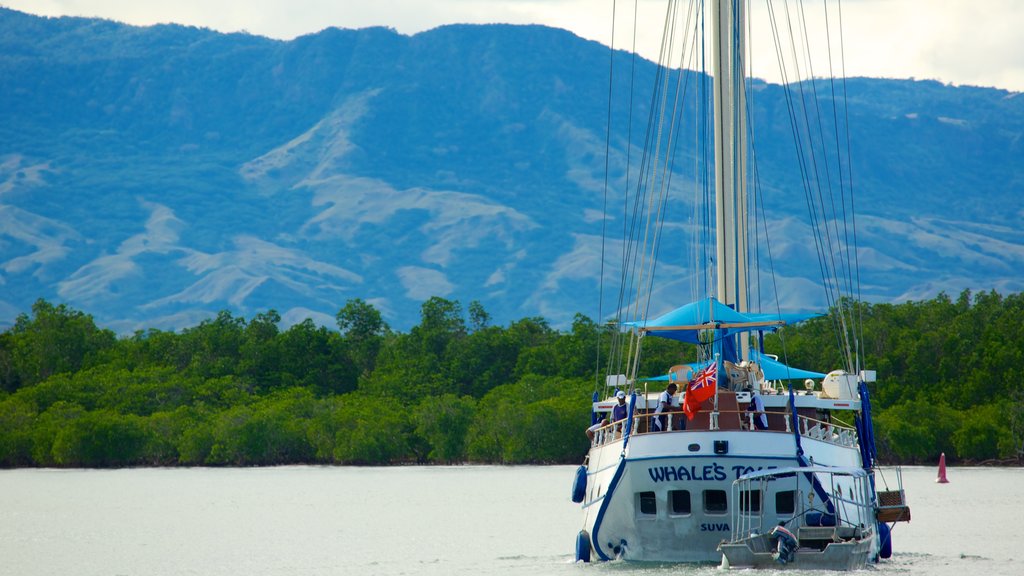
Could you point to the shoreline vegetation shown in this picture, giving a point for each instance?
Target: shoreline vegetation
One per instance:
(454, 388)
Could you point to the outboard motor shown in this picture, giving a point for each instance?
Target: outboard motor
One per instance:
(785, 544)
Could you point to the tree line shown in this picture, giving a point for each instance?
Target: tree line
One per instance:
(454, 388)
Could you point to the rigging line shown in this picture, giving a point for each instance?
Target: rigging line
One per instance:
(653, 220)
(671, 149)
(663, 163)
(759, 206)
(758, 195)
(697, 228)
(798, 144)
(615, 355)
(708, 96)
(703, 200)
(651, 168)
(834, 280)
(842, 192)
(634, 262)
(604, 205)
(821, 230)
(832, 244)
(828, 272)
(615, 351)
(843, 272)
(630, 255)
(859, 329)
(839, 151)
(701, 281)
(633, 265)
(681, 85)
(754, 177)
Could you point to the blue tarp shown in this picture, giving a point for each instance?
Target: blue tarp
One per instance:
(704, 313)
(708, 314)
(775, 370)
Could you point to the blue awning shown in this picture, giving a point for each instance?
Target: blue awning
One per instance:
(775, 370)
(686, 323)
(772, 369)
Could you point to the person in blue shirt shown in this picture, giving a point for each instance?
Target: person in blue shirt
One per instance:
(620, 410)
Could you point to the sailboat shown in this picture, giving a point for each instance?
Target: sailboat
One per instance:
(734, 457)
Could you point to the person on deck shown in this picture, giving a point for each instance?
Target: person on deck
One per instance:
(620, 411)
(593, 429)
(757, 407)
(660, 422)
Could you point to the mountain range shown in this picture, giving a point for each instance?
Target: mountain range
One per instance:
(153, 176)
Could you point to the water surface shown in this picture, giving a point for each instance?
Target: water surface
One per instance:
(472, 520)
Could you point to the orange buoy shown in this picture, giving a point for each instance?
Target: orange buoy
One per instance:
(942, 470)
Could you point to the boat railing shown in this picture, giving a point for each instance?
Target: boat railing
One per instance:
(846, 508)
(675, 421)
(678, 422)
(891, 501)
(827, 431)
(608, 433)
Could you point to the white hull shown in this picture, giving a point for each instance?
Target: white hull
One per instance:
(619, 526)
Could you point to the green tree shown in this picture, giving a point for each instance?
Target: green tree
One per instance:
(54, 340)
(17, 418)
(363, 330)
(102, 438)
(271, 431)
(214, 347)
(314, 357)
(260, 351)
(444, 422)
(369, 433)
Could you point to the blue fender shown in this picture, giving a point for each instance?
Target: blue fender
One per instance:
(583, 546)
(579, 485)
(885, 540)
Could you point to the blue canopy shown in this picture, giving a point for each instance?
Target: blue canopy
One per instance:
(775, 370)
(686, 323)
(772, 369)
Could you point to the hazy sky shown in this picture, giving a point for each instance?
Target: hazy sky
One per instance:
(976, 42)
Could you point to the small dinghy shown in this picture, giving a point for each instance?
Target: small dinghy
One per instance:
(832, 526)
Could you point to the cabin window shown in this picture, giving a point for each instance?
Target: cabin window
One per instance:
(679, 501)
(785, 502)
(715, 502)
(647, 503)
(750, 501)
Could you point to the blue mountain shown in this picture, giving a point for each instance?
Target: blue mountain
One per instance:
(152, 176)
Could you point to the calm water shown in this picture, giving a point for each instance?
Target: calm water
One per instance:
(410, 520)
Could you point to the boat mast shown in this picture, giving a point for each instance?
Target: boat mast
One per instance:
(728, 49)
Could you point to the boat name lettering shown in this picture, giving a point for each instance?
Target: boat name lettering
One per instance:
(714, 527)
(741, 470)
(688, 473)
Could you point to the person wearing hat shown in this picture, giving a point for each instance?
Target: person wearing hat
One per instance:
(619, 411)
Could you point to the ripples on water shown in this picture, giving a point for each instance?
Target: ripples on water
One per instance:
(472, 520)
